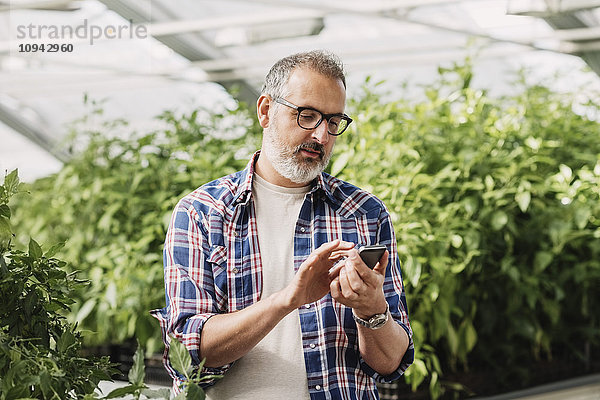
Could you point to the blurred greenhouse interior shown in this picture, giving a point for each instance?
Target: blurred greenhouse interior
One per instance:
(475, 121)
(191, 50)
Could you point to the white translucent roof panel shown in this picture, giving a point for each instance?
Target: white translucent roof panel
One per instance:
(153, 55)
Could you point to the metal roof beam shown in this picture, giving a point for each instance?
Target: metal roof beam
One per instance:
(588, 51)
(367, 63)
(369, 7)
(50, 5)
(383, 9)
(15, 120)
(576, 34)
(547, 8)
(178, 27)
(191, 46)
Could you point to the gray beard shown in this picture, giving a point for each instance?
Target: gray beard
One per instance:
(289, 164)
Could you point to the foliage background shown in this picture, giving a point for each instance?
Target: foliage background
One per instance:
(495, 203)
(39, 349)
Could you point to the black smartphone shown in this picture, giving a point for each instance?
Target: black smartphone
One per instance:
(371, 254)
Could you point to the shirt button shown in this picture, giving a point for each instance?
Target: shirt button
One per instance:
(302, 229)
(235, 233)
(307, 306)
(312, 345)
(318, 387)
(235, 270)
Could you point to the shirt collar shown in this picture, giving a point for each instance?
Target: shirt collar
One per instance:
(323, 183)
(242, 195)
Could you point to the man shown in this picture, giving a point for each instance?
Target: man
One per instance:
(262, 275)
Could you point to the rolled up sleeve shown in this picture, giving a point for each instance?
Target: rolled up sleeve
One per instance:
(393, 289)
(189, 286)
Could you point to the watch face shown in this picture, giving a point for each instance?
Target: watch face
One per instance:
(377, 320)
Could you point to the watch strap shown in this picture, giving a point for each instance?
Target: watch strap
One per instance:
(376, 321)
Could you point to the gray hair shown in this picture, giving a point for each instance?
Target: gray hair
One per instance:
(321, 61)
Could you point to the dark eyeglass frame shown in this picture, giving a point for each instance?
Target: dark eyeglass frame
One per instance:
(324, 116)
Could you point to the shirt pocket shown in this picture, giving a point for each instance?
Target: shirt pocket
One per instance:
(217, 259)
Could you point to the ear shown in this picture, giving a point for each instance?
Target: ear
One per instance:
(263, 105)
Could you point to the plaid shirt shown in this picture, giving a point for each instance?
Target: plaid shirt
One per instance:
(212, 265)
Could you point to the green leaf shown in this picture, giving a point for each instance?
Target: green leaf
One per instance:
(54, 249)
(582, 216)
(195, 392)
(523, 199)
(412, 268)
(468, 335)
(163, 393)
(5, 231)
(5, 211)
(11, 182)
(85, 310)
(452, 339)
(542, 260)
(123, 391)
(566, 172)
(433, 382)
(3, 266)
(111, 294)
(66, 340)
(417, 373)
(499, 219)
(458, 268)
(340, 162)
(456, 241)
(46, 384)
(35, 251)
(138, 371)
(180, 357)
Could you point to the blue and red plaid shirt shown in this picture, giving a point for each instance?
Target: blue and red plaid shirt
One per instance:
(212, 265)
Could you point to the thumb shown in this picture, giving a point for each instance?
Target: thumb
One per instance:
(382, 264)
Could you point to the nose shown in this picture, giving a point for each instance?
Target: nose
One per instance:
(320, 133)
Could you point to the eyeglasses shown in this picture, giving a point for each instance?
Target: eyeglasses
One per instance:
(309, 118)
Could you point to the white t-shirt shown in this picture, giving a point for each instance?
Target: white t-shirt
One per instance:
(275, 368)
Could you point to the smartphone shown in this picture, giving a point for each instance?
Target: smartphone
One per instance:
(371, 254)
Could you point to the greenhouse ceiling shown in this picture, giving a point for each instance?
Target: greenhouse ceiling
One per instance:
(140, 57)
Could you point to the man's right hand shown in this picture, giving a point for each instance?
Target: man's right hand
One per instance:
(312, 280)
(227, 337)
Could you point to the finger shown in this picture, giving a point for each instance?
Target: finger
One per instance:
(336, 256)
(334, 288)
(360, 266)
(357, 284)
(326, 249)
(345, 286)
(335, 270)
(317, 256)
(342, 250)
(336, 293)
(381, 266)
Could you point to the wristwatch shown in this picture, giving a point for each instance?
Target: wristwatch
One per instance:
(376, 321)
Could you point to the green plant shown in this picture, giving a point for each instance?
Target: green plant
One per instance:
(39, 350)
(111, 204)
(180, 358)
(136, 386)
(496, 208)
(495, 203)
(182, 362)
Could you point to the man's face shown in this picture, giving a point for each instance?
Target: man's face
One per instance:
(300, 155)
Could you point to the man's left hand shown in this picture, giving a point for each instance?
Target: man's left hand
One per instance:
(359, 287)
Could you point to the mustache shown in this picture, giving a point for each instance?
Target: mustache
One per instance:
(312, 146)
